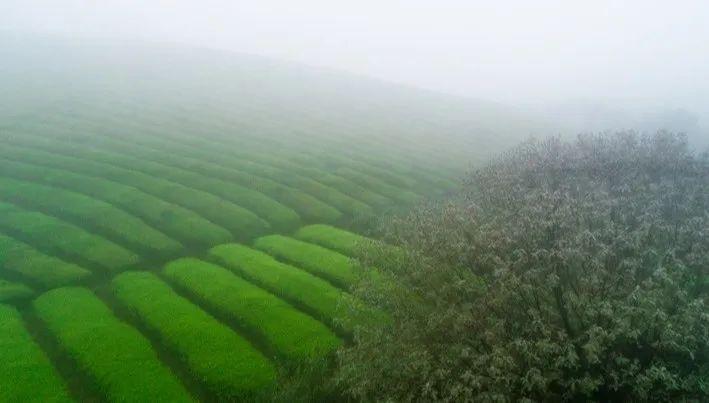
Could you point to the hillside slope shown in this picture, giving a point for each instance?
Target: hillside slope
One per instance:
(160, 197)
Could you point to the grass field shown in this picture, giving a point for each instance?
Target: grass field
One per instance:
(178, 239)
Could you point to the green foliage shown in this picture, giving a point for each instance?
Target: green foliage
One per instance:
(342, 241)
(171, 219)
(114, 355)
(310, 293)
(66, 238)
(99, 216)
(330, 265)
(10, 290)
(284, 329)
(227, 363)
(565, 271)
(47, 271)
(25, 372)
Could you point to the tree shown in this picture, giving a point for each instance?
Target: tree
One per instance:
(563, 271)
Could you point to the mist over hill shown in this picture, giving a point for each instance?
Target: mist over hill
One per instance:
(183, 222)
(271, 97)
(584, 116)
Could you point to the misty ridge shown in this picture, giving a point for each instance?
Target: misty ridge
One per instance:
(320, 202)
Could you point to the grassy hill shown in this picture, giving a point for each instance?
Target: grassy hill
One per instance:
(156, 212)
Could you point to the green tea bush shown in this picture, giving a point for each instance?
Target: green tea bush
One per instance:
(180, 169)
(234, 159)
(327, 194)
(167, 164)
(400, 195)
(330, 237)
(307, 206)
(169, 218)
(224, 361)
(248, 205)
(10, 290)
(92, 214)
(244, 161)
(215, 165)
(287, 331)
(115, 356)
(345, 186)
(25, 371)
(47, 271)
(566, 271)
(388, 176)
(101, 164)
(254, 162)
(312, 294)
(330, 265)
(67, 239)
(310, 168)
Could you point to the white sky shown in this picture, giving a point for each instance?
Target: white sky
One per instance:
(524, 52)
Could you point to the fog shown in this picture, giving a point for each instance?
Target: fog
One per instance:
(586, 65)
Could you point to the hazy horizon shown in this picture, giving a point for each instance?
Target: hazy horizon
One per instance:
(594, 66)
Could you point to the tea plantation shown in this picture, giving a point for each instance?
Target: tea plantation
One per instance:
(174, 232)
(146, 263)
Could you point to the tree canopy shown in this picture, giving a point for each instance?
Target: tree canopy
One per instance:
(563, 271)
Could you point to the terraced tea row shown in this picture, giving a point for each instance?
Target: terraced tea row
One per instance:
(98, 216)
(230, 152)
(152, 245)
(354, 150)
(111, 166)
(229, 327)
(10, 290)
(345, 242)
(309, 293)
(28, 263)
(135, 158)
(154, 123)
(316, 202)
(224, 361)
(212, 177)
(241, 222)
(226, 327)
(175, 221)
(116, 358)
(60, 238)
(322, 262)
(25, 371)
(281, 328)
